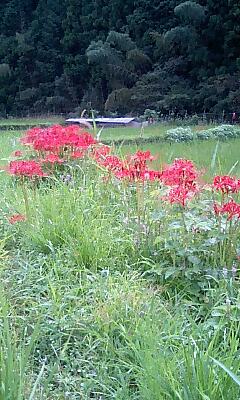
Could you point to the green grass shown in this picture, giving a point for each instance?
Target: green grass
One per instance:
(9, 142)
(157, 130)
(133, 133)
(89, 314)
(31, 121)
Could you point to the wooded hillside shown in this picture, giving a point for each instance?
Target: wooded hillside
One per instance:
(119, 56)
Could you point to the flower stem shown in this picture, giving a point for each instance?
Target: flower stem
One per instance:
(26, 201)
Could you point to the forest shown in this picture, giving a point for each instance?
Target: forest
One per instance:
(119, 56)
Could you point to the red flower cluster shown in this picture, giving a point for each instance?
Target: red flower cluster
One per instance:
(101, 152)
(134, 168)
(77, 154)
(182, 178)
(28, 169)
(16, 218)
(180, 195)
(181, 172)
(112, 163)
(57, 139)
(52, 159)
(232, 209)
(226, 184)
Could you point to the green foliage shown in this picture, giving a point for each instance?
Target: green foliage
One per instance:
(118, 62)
(90, 235)
(174, 56)
(4, 70)
(179, 135)
(119, 100)
(190, 12)
(150, 114)
(181, 38)
(222, 132)
(181, 366)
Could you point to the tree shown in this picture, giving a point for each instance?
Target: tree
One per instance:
(190, 13)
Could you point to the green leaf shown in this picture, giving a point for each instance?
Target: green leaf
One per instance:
(194, 260)
(170, 272)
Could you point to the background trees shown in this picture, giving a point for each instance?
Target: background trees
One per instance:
(119, 56)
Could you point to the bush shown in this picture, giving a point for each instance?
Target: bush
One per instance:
(222, 132)
(179, 135)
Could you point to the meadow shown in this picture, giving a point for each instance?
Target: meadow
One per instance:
(119, 270)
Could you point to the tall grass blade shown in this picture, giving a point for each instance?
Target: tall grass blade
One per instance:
(214, 156)
(233, 168)
(94, 124)
(32, 395)
(234, 377)
(99, 133)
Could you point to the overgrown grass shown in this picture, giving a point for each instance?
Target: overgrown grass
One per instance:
(108, 325)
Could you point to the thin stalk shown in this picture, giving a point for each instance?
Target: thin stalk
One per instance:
(140, 205)
(26, 200)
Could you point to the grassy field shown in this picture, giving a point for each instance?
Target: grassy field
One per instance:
(147, 132)
(31, 121)
(109, 293)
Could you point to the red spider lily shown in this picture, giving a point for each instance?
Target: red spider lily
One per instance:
(28, 169)
(182, 177)
(112, 163)
(31, 135)
(101, 152)
(52, 159)
(17, 218)
(180, 195)
(77, 154)
(232, 209)
(226, 184)
(152, 175)
(58, 138)
(181, 172)
(133, 168)
(141, 157)
(136, 168)
(137, 163)
(17, 153)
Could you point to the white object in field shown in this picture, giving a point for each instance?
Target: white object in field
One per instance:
(104, 121)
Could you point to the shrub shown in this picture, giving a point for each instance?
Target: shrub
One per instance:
(222, 132)
(179, 135)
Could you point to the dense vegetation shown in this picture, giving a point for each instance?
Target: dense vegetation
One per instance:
(119, 56)
(119, 270)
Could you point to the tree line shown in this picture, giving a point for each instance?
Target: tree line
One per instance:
(119, 56)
